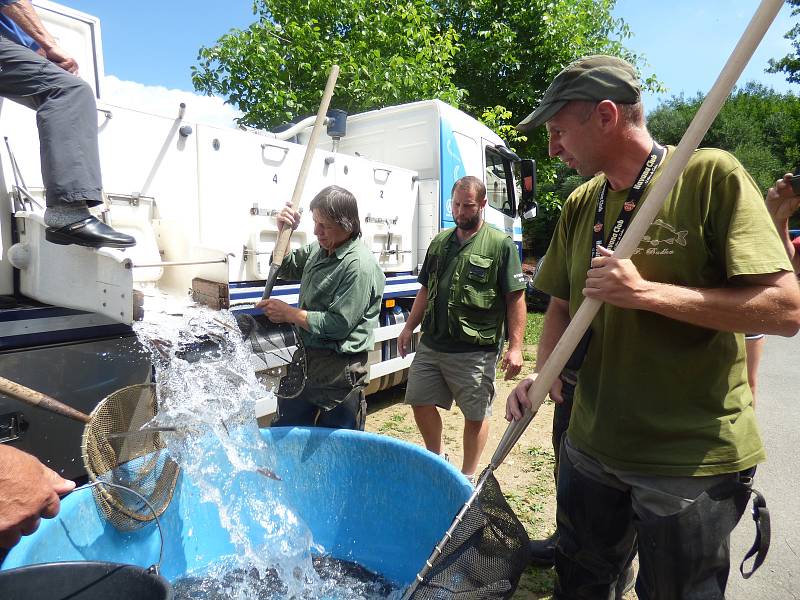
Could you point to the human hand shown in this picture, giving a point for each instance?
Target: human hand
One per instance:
(782, 202)
(29, 491)
(277, 311)
(517, 402)
(57, 55)
(404, 341)
(511, 363)
(614, 280)
(289, 217)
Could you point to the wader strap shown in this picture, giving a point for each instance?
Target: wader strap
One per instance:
(761, 544)
(760, 512)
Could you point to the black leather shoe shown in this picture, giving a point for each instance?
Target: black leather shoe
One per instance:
(90, 232)
(543, 552)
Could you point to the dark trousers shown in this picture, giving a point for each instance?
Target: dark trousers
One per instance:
(66, 116)
(562, 414)
(682, 556)
(561, 417)
(333, 395)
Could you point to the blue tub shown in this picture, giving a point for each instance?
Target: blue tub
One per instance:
(366, 498)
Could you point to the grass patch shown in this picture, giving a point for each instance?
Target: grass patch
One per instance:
(527, 505)
(533, 328)
(397, 424)
(537, 583)
(533, 331)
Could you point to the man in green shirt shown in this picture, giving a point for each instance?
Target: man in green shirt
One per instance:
(663, 441)
(472, 287)
(341, 286)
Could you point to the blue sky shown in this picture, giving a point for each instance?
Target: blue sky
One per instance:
(155, 42)
(686, 42)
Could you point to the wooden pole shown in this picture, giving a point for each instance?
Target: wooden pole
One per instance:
(40, 400)
(285, 233)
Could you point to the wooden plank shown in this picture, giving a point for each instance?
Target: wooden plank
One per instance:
(211, 293)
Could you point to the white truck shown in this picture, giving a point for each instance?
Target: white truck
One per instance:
(201, 201)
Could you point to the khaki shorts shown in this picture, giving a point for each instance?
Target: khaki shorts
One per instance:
(437, 378)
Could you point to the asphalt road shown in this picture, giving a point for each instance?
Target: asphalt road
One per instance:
(778, 410)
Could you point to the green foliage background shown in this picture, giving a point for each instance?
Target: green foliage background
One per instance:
(790, 64)
(759, 126)
(492, 60)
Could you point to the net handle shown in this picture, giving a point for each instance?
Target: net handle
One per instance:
(285, 232)
(580, 322)
(156, 568)
(40, 400)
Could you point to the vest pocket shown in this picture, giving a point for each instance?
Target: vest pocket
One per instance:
(478, 298)
(478, 332)
(479, 268)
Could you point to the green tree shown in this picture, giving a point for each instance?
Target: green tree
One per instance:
(790, 64)
(759, 126)
(389, 52)
(493, 60)
(510, 52)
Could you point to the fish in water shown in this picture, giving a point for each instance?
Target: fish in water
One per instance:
(268, 473)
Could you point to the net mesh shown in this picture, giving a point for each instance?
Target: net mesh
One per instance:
(138, 461)
(486, 555)
(281, 347)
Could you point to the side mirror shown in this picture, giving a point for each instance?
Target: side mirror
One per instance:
(527, 205)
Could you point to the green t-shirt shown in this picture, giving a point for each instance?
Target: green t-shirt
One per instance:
(341, 292)
(509, 280)
(656, 395)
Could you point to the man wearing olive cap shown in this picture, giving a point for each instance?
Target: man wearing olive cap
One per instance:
(662, 442)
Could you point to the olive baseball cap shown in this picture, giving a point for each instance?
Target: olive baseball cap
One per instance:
(597, 78)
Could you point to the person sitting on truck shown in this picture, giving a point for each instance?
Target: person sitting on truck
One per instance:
(472, 286)
(341, 286)
(29, 492)
(37, 73)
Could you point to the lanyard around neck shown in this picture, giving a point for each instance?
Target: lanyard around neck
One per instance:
(634, 195)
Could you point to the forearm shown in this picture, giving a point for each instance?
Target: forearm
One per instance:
(24, 15)
(556, 321)
(772, 309)
(299, 317)
(417, 309)
(516, 315)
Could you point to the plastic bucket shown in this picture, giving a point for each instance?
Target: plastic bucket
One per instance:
(366, 498)
(83, 581)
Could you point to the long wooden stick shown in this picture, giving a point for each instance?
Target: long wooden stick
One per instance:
(765, 14)
(285, 233)
(40, 400)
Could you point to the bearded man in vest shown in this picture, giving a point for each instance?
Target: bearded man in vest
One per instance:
(471, 297)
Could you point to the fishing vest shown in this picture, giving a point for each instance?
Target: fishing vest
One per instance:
(476, 307)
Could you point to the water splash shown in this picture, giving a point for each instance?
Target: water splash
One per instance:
(208, 391)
